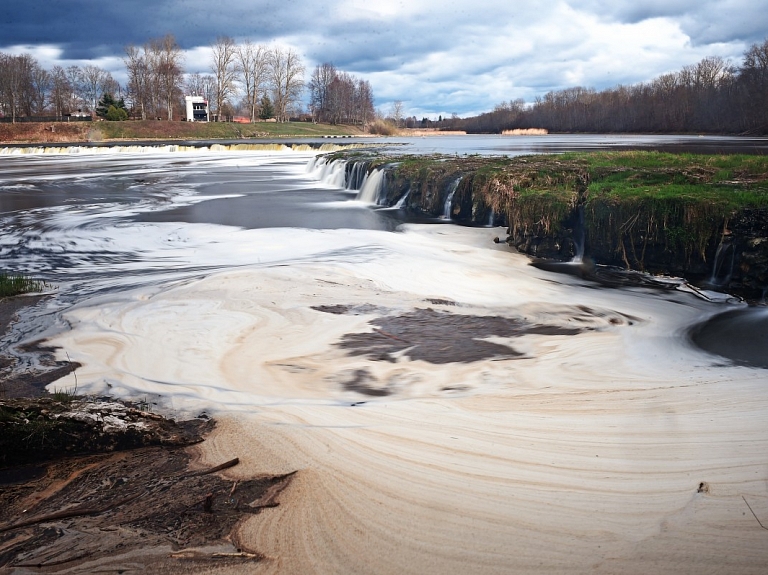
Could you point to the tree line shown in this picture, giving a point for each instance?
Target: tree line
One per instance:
(712, 96)
(27, 89)
(253, 80)
(337, 97)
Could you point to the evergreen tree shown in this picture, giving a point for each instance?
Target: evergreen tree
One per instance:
(102, 108)
(267, 111)
(115, 114)
(106, 103)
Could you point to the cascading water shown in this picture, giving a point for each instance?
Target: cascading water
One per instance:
(449, 199)
(356, 174)
(370, 191)
(579, 237)
(172, 148)
(401, 202)
(718, 279)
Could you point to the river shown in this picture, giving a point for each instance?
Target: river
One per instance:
(448, 407)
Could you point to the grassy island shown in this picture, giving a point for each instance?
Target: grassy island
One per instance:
(642, 210)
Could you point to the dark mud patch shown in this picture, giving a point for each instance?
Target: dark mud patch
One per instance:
(360, 381)
(340, 309)
(40, 429)
(739, 335)
(441, 337)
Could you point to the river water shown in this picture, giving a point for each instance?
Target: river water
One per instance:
(450, 408)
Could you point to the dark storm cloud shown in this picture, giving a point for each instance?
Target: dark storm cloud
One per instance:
(705, 21)
(437, 56)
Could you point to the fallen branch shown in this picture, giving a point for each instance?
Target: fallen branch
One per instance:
(760, 523)
(225, 465)
(268, 499)
(197, 555)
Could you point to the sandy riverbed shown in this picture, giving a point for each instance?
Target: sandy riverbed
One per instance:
(616, 447)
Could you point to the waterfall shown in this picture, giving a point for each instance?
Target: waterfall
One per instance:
(356, 174)
(717, 266)
(401, 202)
(370, 190)
(579, 235)
(449, 199)
(332, 173)
(100, 149)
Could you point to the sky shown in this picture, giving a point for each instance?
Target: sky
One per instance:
(438, 57)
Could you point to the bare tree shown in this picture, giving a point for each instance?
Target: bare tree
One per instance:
(74, 75)
(252, 63)
(15, 84)
(200, 85)
(94, 82)
(319, 86)
(170, 72)
(61, 92)
(139, 80)
(224, 69)
(40, 85)
(287, 80)
(397, 112)
(364, 103)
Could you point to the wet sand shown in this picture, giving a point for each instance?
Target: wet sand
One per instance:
(601, 441)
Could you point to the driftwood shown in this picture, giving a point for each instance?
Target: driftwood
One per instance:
(193, 554)
(83, 511)
(225, 465)
(69, 513)
(760, 523)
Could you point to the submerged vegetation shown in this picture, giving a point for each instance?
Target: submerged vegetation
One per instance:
(15, 284)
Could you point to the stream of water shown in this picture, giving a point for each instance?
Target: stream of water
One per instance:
(465, 407)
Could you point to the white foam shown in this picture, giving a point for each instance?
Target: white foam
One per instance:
(585, 455)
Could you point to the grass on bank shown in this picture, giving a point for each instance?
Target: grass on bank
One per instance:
(16, 284)
(61, 132)
(159, 129)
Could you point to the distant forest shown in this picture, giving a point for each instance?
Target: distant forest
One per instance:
(711, 96)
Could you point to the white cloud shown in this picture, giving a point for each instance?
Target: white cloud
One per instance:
(438, 57)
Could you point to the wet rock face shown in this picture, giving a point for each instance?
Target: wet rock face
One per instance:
(737, 263)
(729, 256)
(749, 242)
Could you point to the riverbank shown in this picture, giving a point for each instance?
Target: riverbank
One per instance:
(137, 130)
(89, 483)
(699, 216)
(582, 434)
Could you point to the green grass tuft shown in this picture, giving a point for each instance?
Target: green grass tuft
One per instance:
(15, 284)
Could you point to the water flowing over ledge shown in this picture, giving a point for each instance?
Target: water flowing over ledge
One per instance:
(159, 147)
(702, 219)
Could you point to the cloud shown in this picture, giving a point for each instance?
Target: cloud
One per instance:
(438, 57)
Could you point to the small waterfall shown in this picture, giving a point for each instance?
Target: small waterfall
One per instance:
(371, 188)
(449, 199)
(332, 173)
(356, 174)
(401, 202)
(579, 237)
(160, 147)
(715, 279)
